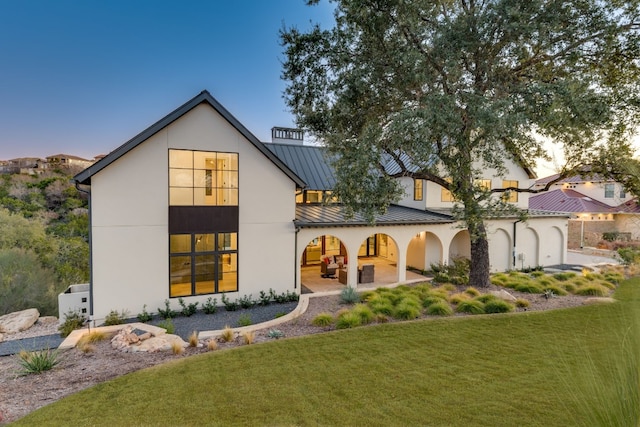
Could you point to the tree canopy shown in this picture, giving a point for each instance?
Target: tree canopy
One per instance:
(446, 90)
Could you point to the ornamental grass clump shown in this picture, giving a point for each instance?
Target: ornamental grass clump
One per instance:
(248, 337)
(497, 306)
(471, 291)
(522, 303)
(193, 339)
(36, 362)
(85, 343)
(348, 320)
(592, 289)
(433, 299)
(458, 298)
(470, 307)
(564, 276)
(323, 320)
(440, 308)
(349, 295)
(227, 334)
(407, 309)
(381, 306)
(177, 348)
(212, 345)
(529, 287)
(364, 312)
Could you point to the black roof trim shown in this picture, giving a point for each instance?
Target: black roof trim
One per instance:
(84, 177)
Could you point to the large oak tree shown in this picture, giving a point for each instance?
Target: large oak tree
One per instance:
(446, 90)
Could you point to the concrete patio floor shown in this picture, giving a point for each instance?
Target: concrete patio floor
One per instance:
(385, 274)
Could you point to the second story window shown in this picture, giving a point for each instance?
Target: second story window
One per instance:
(203, 178)
(609, 191)
(510, 196)
(417, 189)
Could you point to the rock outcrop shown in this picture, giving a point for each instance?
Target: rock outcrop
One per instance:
(127, 340)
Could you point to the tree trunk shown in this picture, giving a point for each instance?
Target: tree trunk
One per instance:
(479, 273)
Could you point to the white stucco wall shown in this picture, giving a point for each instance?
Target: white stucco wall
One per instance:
(130, 218)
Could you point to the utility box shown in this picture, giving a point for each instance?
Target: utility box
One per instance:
(75, 298)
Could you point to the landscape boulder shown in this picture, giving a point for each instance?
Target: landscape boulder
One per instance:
(504, 295)
(18, 321)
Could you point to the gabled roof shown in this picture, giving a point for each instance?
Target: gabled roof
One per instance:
(564, 200)
(317, 215)
(309, 162)
(631, 206)
(204, 97)
(572, 179)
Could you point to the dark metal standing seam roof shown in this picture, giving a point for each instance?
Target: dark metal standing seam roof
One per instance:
(564, 200)
(84, 177)
(317, 215)
(311, 163)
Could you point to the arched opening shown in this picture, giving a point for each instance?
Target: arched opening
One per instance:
(321, 262)
(500, 250)
(527, 249)
(378, 260)
(424, 250)
(460, 246)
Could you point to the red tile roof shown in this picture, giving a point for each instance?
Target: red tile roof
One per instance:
(563, 200)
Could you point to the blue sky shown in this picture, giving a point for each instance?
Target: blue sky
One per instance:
(82, 77)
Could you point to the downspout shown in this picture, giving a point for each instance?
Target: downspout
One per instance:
(514, 242)
(88, 193)
(296, 264)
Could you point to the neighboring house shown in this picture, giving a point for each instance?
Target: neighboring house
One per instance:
(597, 206)
(23, 165)
(68, 161)
(196, 206)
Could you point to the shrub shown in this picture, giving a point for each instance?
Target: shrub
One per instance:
(210, 306)
(193, 339)
(166, 312)
(497, 306)
(168, 325)
(227, 334)
(323, 319)
(72, 320)
(188, 310)
(292, 297)
(264, 298)
(228, 304)
(145, 316)
(522, 303)
(629, 255)
(470, 307)
(246, 301)
(248, 337)
(244, 320)
(439, 308)
(275, 334)
(36, 362)
(349, 295)
(115, 318)
(348, 320)
(592, 289)
(365, 313)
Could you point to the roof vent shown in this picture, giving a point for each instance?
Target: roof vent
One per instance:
(287, 136)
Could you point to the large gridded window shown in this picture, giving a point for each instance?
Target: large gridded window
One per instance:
(203, 178)
(203, 263)
(446, 195)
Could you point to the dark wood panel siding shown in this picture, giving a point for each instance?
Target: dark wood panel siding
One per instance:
(203, 219)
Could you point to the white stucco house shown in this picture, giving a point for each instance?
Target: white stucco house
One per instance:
(196, 206)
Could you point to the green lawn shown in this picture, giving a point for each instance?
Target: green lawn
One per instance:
(566, 367)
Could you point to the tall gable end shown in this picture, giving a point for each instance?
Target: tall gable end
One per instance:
(204, 97)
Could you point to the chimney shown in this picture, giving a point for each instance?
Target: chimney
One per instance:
(286, 136)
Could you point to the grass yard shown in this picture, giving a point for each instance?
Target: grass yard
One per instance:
(558, 368)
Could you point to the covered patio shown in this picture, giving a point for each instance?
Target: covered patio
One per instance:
(385, 274)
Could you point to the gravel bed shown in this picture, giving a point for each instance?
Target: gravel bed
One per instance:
(200, 321)
(43, 342)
